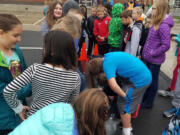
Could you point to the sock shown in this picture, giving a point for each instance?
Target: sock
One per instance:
(126, 131)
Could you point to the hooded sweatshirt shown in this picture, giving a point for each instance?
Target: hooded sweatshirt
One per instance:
(115, 26)
(54, 119)
(158, 42)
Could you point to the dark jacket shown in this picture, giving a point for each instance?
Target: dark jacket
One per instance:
(8, 118)
(90, 25)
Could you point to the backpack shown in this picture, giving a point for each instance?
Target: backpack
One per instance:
(144, 33)
(174, 125)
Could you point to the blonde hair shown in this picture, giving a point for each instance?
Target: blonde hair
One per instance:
(100, 9)
(69, 24)
(161, 11)
(138, 10)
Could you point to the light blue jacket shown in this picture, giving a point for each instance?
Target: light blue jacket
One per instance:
(54, 119)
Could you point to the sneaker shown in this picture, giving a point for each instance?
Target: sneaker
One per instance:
(171, 112)
(130, 133)
(166, 93)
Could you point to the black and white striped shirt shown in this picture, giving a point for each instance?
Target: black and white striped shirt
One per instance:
(49, 85)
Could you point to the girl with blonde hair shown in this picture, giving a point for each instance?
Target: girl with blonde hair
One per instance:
(157, 44)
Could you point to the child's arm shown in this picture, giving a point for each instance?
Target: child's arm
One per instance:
(164, 34)
(115, 87)
(107, 33)
(76, 90)
(177, 39)
(10, 91)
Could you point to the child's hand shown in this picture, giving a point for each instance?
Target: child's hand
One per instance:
(173, 38)
(102, 38)
(22, 114)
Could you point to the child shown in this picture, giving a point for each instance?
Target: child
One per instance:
(90, 27)
(136, 26)
(115, 29)
(84, 28)
(101, 30)
(72, 25)
(132, 31)
(169, 92)
(12, 64)
(86, 116)
(148, 25)
(157, 43)
(55, 80)
(176, 98)
(53, 14)
(126, 66)
(126, 17)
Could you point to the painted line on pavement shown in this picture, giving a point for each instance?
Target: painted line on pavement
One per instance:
(31, 48)
(39, 21)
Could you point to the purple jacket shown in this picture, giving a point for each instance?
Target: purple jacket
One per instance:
(158, 42)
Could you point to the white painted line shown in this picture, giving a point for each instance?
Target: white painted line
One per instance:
(39, 21)
(31, 48)
(27, 24)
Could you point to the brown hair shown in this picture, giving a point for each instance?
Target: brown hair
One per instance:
(91, 110)
(161, 11)
(96, 74)
(59, 49)
(50, 13)
(126, 13)
(70, 24)
(8, 21)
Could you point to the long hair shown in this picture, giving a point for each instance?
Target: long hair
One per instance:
(50, 13)
(161, 11)
(91, 110)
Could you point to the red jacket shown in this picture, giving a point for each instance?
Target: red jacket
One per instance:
(101, 27)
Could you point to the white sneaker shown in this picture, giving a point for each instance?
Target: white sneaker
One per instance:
(165, 93)
(127, 134)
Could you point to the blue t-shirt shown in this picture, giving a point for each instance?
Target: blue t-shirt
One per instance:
(127, 66)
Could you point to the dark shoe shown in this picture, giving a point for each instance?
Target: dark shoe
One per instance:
(171, 112)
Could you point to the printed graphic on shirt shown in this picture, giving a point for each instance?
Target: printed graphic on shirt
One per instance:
(15, 68)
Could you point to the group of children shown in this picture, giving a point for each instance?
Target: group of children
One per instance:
(57, 79)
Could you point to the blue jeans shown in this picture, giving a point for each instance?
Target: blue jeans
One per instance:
(150, 94)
